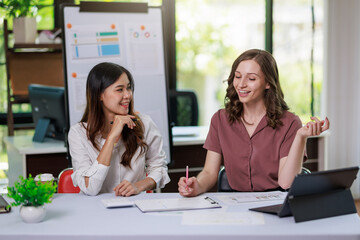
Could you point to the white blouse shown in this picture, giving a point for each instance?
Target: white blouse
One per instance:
(103, 179)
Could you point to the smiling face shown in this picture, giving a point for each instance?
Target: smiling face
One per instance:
(117, 97)
(249, 83)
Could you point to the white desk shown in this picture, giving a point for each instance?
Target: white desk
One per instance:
(75, 216)
(189, 135)
(19, 148)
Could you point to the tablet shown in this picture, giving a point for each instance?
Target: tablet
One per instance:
(314, 184)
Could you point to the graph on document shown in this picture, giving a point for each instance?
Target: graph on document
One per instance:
(95, 44)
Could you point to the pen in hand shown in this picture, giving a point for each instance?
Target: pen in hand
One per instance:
(133, 119)
(187, 176)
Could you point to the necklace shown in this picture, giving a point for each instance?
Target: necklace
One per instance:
(252, 123)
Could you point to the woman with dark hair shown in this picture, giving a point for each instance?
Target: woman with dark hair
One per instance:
(260, 143)
(114, 149)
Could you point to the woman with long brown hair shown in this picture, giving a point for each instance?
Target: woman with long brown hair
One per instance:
(260, 142)
(114, 149)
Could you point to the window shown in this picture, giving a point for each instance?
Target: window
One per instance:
(293, 42)
(210, 34)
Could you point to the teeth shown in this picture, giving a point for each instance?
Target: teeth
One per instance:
(243, 91)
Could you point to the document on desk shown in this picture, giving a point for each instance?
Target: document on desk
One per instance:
(222, 218)
(176, 204)
(238, 198)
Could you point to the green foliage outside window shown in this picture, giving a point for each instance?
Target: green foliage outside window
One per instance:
(22, 8)
(206, 50)
(45, 20)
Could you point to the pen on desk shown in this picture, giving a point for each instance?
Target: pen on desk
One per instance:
(134, 120)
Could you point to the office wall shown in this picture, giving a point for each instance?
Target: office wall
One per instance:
(342, 84)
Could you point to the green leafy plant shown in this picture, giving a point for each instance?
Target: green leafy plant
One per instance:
(28, 192)
(21, 8)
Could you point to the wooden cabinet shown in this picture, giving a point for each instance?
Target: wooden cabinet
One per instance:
(27, 64)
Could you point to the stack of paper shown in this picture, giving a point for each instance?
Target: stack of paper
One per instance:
(172, 204)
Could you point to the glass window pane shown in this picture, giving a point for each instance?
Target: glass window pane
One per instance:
(45, 18)
(293, 41)
(210, 35)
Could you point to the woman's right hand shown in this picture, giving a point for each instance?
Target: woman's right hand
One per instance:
(191, 188)
(118, 125)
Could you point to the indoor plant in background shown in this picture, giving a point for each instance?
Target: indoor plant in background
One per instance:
(32, 196)
(23, 14)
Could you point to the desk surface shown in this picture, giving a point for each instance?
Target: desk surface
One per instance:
(189, 135)
(25, 145)
(182, 136)
(76, 216)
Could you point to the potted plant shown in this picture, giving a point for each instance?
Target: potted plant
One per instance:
(23, 13)
(32, 196)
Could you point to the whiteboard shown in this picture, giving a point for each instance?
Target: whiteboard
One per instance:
(132, 40)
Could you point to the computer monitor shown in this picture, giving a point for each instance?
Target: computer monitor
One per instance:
(48, 112)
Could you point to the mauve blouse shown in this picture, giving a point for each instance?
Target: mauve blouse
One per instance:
(252, 163)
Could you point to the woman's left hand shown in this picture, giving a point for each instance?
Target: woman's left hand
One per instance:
(314, 128)
(126, 189)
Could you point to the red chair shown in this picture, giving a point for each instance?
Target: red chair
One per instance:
(65, 183)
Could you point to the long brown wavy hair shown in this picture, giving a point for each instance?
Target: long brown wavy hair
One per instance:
(100, 77)
(273, 97)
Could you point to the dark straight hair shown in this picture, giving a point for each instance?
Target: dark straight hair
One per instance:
(100, 77)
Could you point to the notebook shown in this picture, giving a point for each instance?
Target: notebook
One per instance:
(314, 184)
(176, 204)
(117, 202)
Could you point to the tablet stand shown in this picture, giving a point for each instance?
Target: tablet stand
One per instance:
(40, 129)
(323, 205)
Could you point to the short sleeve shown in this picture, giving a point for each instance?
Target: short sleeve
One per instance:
(212, 141)
(294, 126)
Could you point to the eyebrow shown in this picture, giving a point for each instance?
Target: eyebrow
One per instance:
(122, 85)
(248, 73)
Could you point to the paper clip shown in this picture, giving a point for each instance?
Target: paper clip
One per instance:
(211, 200)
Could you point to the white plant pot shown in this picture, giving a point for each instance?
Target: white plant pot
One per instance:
(25, 30)
(30, 214)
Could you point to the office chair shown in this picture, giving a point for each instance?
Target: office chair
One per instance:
(65, 183)
(183, 108)
(223, 184)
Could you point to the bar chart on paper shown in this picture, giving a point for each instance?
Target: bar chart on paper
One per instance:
(95, 44)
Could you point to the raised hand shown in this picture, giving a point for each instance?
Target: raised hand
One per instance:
(315, 127)
(119, 122)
